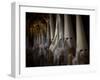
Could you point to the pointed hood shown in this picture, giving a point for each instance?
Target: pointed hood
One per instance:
(80, 34)
(68, 31)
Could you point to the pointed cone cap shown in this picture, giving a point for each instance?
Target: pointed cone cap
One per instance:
(68, 31)
(67, 26)
(80, 34)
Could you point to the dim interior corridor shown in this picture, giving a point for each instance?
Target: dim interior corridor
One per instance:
(56, 39)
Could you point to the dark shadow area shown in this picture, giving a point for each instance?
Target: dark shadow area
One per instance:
(39, 40)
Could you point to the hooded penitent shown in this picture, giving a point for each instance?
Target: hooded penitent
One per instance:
(68, 31)
(81, 48)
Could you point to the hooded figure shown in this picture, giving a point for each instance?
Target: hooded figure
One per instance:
(69, 39)
(81, 48)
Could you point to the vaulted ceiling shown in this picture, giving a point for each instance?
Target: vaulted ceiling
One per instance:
(36, 22)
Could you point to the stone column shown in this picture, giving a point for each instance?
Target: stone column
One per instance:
(39, 38)
(42, 38)
(36, 38)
